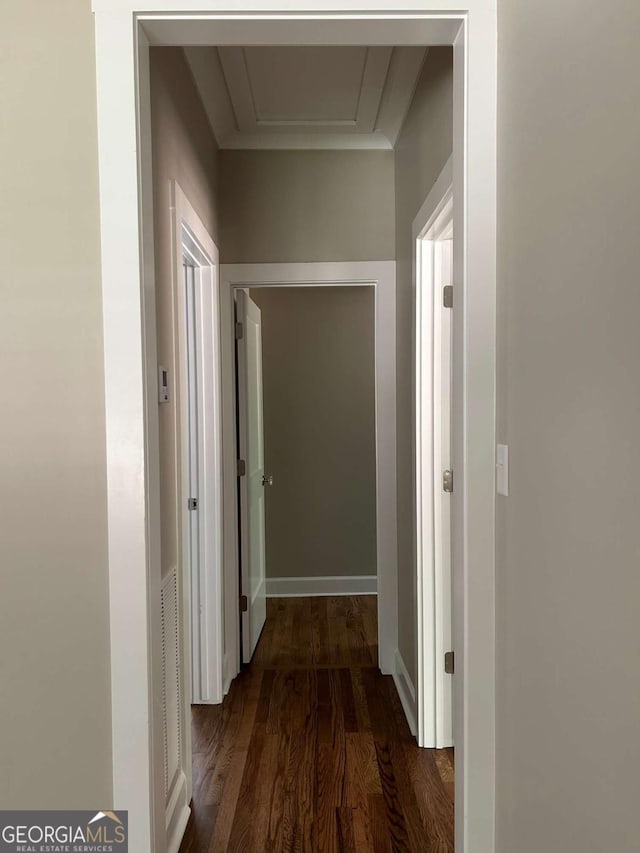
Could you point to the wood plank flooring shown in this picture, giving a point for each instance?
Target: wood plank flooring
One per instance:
(310, 750)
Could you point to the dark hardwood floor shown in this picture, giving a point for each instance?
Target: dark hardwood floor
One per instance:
(310, 750)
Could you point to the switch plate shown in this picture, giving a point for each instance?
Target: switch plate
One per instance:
(502, 469)
(163, 385)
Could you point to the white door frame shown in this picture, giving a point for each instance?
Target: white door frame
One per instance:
(432, 505)
(199, 623)
(382, 276)
(202, 615)
(124, 29)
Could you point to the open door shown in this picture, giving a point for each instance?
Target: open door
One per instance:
(252, 479)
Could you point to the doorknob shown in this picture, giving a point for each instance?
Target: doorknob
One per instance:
(267, 480)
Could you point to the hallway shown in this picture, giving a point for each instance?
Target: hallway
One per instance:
(311, 751)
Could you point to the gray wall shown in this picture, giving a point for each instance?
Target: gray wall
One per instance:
(184, 150)
(288, 206)
(55, 720)
(319, 428)
(568, 594)
(423, 148)
(568, 544)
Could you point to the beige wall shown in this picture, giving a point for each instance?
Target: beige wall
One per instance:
(55, 721)
(568, 595)
(568, 582)
(183, 150)
(288, 206)
(422, 150)
(318, 351)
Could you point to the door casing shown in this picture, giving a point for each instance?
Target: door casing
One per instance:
(432, 455)
(200, 630)
(380, 275)
(202, 663)
(124, 30)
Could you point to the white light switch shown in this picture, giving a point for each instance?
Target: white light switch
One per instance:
(502, 469)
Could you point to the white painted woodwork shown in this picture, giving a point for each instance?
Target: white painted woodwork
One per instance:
(124, 31)
(306, 97)
(433, 269)
(406, 691)
(252, 485)
(198, 418)
(193, 574)
(176, 785)
(199, 433)
(201, 467)
(382, 275)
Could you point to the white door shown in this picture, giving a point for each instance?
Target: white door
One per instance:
(195, 544)
(201, 487)
(252, 483)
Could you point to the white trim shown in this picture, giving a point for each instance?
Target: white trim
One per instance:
(432, 506)
(175, 831)
(404, 74)
(176, 11)
(436, 201)
(152, 458)
(206, 70)
(202, 613)
(380, 274)
(177, 787)
(406, 691)
(132, 454)
(129, 355)
(336, 585)
(307, 26)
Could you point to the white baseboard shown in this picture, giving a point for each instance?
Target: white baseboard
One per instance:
(345, 585)
(174, 842)
(177, 815)
(406, 691)
(227, 676)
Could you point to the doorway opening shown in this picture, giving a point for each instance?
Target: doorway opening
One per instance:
(201, 483)
(191, 620)
(310, 696)
(306, 416)
(380, 277)
(435, 296)
(131, 365)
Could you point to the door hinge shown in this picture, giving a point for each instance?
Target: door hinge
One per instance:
(239, 331)
(447, 480)
(449, 663)
(192, 503)
(244, 604)
(241, 468)
(447, 296)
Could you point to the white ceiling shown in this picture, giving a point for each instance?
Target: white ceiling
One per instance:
(306, 97)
